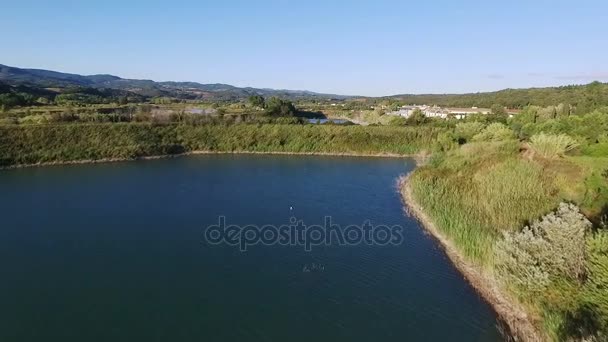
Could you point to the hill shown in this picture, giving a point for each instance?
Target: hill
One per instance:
(38, 78)
(109, 88)
(584, 97)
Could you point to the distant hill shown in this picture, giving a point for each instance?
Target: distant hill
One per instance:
(185, 90)
(584, 97)
(110, 88)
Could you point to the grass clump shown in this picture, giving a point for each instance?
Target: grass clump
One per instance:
(552, 145)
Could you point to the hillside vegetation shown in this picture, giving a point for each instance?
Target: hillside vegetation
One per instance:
(584, 97)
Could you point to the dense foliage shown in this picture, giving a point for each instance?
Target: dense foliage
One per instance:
(30, 144)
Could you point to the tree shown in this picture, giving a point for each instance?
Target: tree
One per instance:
(498, 110)
(10, 100)
(257, 101)
(278, 107)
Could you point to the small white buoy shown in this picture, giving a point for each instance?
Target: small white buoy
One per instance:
(290, 208)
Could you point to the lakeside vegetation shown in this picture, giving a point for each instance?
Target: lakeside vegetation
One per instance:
(32, 144)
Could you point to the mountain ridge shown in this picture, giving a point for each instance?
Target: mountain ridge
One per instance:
(43, 78)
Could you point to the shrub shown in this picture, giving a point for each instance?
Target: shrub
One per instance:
(397, 121)
(495, 132)
(550, 249)
(445, 142)
(465, 131)
(552, 145)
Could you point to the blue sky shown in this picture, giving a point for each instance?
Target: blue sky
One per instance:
(376, 47)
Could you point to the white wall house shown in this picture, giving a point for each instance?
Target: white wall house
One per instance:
(439, 112)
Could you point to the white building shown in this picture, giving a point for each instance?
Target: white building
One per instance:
(439, 112)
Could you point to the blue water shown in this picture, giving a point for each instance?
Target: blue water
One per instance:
(115, 252)
(323, 121)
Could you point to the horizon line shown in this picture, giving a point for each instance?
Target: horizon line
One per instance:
(307, 90)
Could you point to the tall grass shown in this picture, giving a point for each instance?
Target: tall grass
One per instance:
(595, 292)
(480, 190)
(552, 145)
(70, 142)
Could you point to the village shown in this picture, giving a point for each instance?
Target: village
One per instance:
(444, 113)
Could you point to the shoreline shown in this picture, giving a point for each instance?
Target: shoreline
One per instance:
(203, 152)
(518, 323)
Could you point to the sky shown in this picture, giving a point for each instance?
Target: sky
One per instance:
(373, 48)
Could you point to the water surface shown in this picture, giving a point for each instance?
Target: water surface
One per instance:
(115, 252)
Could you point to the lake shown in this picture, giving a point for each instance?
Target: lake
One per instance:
(117, 252)
(324, 121)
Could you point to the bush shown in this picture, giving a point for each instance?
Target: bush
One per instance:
(465, 131)
(550, 249)
(397, 121)
(445, 142)
(495, 132)
(552, 145)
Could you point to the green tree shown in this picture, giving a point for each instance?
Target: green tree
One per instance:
(256, 101)
(498, 109)
(278, 107)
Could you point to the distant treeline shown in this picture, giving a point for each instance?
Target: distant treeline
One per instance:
(581, 98)
(23, 96)
(31, 144)
(584, 97)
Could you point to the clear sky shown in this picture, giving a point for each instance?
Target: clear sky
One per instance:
(378, 47)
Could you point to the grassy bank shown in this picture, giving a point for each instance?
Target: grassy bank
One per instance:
(479, 197)
(33, 144)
